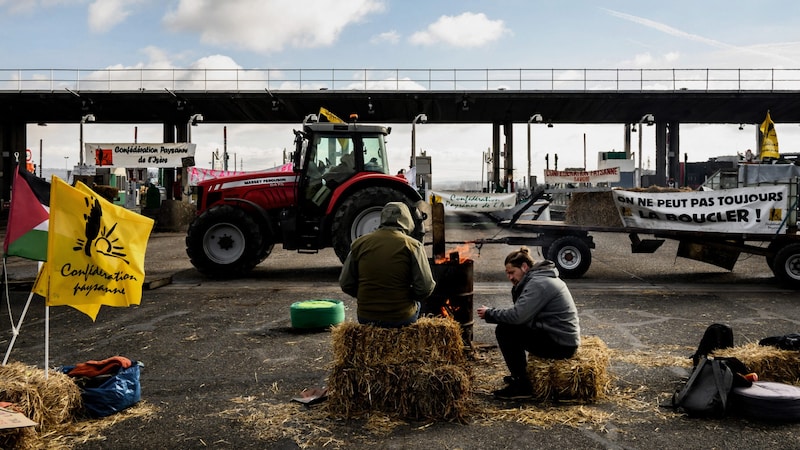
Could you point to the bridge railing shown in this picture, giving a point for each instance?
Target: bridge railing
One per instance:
(613, 80)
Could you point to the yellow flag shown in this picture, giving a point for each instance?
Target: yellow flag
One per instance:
(769, 143)
(95, 251)
(333, 118)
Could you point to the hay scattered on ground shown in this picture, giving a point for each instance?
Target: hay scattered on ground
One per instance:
(769, 363)
(54, 403)
(583, 378)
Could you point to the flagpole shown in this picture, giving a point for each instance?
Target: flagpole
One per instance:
(14, 328)
(46, 340)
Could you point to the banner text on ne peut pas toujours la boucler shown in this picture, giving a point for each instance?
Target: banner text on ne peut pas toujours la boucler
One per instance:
(760, 209)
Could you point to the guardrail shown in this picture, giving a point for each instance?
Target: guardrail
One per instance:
(614, 80)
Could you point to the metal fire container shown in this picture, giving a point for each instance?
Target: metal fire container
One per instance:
(452, 296)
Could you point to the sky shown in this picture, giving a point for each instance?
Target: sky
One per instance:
(403, 34)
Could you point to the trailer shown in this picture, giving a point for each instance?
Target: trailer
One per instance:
(754, 211)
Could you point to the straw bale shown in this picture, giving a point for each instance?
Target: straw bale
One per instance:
(769, 363)
(50, 402)
(428, 339)
(414, 390)
(583, 378)
(592, 208)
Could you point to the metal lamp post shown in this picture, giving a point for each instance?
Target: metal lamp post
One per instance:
(84, 119)
(650, 120)
(538, 119)
(66, 163)
(421, 118)
(193, 121)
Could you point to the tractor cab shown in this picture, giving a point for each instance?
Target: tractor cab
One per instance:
(329, 154)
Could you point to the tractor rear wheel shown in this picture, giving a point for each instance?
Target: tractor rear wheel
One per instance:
(361, 214)
(224, 241)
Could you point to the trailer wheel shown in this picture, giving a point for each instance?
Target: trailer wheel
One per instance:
(787, 265)
(224, 241)
(361, 214)
(571, 255)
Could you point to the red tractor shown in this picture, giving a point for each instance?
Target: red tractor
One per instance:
(341, 181)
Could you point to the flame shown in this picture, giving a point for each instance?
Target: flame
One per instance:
(449, 309)
(466, 252)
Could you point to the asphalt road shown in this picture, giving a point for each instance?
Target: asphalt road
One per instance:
(222, 360)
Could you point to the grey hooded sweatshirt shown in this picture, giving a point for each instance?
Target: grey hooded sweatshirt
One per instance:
(542, 300)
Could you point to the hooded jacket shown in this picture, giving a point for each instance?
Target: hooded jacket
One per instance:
(387, 270)
(542, 300)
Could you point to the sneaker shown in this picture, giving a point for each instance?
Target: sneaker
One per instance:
(515, 391)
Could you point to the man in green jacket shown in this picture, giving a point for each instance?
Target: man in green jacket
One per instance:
(388, 271)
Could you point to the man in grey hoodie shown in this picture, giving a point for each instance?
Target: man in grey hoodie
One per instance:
(543, 320)
(388, 271)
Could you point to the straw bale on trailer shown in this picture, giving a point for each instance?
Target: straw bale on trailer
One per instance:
(50, 402)
(598, 208)
(592, 208)
(583, 378)
(418, 371)
(769, 363)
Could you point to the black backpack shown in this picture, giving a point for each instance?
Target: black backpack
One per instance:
(717, 336)
(706, 392)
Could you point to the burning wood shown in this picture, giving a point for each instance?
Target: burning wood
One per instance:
(459, 255)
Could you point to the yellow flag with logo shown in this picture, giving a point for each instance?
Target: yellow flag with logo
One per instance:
(95, 251)
(769, 143)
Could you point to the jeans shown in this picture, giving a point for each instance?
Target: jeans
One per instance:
(515, 340)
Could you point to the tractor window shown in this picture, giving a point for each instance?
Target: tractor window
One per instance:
(374, 155)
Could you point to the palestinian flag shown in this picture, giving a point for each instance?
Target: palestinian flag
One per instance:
(26, 233)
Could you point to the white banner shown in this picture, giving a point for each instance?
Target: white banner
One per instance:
(474, 201)
(608, 175)
(755, 210)
(167, 155)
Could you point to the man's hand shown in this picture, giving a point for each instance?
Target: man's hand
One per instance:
(481, 311)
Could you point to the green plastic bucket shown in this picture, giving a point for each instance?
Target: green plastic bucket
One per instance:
(320, 313)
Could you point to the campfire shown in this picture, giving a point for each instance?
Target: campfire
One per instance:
(459, 255)
(452, 297)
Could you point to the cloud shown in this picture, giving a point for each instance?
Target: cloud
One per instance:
(465, 30)
(664, 28)
(268, 26)
(392, 37)
(105, 14)
(28, 6)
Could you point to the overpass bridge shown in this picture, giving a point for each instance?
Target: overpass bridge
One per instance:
(500, 97)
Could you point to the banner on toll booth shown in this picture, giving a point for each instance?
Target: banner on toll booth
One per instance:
(608, 175)
(167, 155)
(759, 209)
(474, 201)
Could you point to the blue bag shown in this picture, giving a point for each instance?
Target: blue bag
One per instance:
(110, 393)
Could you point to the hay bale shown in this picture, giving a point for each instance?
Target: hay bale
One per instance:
(415, 390)
(428, 339)
(583, 378)
(770, 363)
(418, 371)
(50, 402)
(592, 208)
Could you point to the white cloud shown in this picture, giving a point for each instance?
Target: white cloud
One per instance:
(267, 26)
(105, 14)
(28, 6)
(465, 30)
(392, 37)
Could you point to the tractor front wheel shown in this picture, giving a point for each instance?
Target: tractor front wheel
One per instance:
(224, 241)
